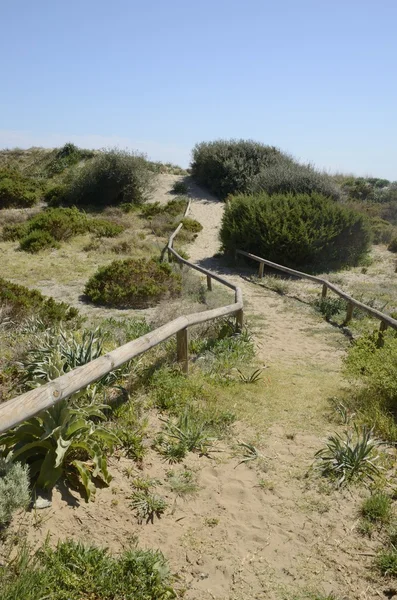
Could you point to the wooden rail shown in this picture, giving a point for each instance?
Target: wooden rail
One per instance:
(35, 401)
(386, 320)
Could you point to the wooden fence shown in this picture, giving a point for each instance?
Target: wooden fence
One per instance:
(27, 405)
(385, 320)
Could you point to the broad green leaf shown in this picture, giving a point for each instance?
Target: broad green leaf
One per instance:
(85, 478)
(49, 473)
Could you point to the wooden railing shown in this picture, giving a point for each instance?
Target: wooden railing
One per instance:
(385, 320)
(27, 405)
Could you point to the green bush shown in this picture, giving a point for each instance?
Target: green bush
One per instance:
(180, 187)
(67, 156)
(14, 489)
(392, 247)
(104, 228)
(17, 191)
(374, 366)
(377, 508)
(329, 307)
(382, 231)
(47, 228)
(133, 283)
(192, 225)
(21, 302)
(288, 177)
(73, 571)
(229, 166)
(306, 231)
(112, 177)
(38, 240)
(53, 195)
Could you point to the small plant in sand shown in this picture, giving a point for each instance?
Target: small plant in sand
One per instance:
(377, 508)
(180, 187)
(182, 483)
(146, 503)
(14, 488)
(253, 377)
(348, 457)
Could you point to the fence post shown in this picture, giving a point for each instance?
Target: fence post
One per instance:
(382, 328)
(209, 283)
(239, 320)
(349, 313)
(261, 269)
(324, 291)
(182, 349)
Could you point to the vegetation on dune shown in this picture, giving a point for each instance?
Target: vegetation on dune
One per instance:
(133, 283)
(392, 247)
(245, 167)
(20, 302)
(14, 488)
(48, 228)
(73, 571)
(67, 156)
(110, 178)
(17, 191)
(305, 231)
(372, 364)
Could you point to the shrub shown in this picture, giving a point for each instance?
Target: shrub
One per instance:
(17, 191)
(104, 228)
(57, 574)
(14, 488)
(67, 156)
(392, 247)
(38, 240)
(382, 231)
(133, 283)
(288, 177)
(111, 178)
(180, 187)
(192, 225)
(307, 231)
(374, 366)
(329, 307)
(63, 442)
(229, 166)
(23, 302)
(53, 195)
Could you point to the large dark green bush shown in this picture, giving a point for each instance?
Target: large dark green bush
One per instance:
(244, 166)
(17, 191)
(22, 302)
(112, 177)
(133, 283)
(306, 231)
(229, 166)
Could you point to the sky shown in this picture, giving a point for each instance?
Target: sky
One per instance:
(316, 78)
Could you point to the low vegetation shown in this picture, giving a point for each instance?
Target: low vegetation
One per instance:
(20, 302)
(372, 364)
(48, 228)
(73, 571)
(14, 488)
(17, 191)
(306, 231)
(133, 283)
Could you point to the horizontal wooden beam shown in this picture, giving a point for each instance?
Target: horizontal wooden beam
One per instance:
(372, 311)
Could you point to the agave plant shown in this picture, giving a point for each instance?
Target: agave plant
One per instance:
(60, 352)
(353, 455)
(253, 377)
(63, 442)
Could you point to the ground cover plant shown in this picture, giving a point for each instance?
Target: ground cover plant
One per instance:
(304, 231)
(133, 283)
(14, 488)
(48, 228)
(73, 571)
(372, 364)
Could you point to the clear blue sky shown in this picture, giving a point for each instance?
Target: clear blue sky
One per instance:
(316, 78)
